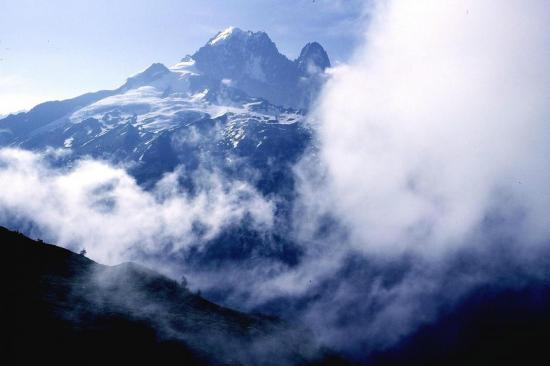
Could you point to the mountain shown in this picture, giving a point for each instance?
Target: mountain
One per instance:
(59, 306)
(237, 96)
(236, 107)
(231, 107)
(251, 62)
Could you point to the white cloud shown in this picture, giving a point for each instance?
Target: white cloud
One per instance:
(432, 142)
(441, 119)
(100, 207)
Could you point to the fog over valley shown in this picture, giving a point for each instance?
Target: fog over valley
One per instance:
(241, 206)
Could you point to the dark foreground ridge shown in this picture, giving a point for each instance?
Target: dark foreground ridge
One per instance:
(61, 307)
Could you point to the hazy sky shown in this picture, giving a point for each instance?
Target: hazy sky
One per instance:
(62, 48)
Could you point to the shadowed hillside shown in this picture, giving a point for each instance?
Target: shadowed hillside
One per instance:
(63, 307)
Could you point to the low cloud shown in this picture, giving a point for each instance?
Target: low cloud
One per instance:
(439, 123)
(432, 152)
(100, 207)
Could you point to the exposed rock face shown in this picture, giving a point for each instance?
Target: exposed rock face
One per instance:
(251, 62)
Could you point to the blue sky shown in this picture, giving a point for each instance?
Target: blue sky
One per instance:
(61, 48)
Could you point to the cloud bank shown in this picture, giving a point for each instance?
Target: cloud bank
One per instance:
(432, 146)
(440, 122)
(100, 207)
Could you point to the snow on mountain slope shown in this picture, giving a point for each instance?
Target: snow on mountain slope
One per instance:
(225, 34)
(232, 109)
(252, 62)
(221, 97)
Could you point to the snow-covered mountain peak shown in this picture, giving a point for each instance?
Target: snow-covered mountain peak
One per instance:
(250, 61)
(237, 35)
(238, 93)
(227, 33)
(153, 73)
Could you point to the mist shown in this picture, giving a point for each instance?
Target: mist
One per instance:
(432, 152)
(98, 206)
(440, 121)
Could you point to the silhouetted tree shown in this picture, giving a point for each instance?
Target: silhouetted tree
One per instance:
(183, 282)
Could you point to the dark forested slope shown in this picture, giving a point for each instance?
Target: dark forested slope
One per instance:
(63, 307)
